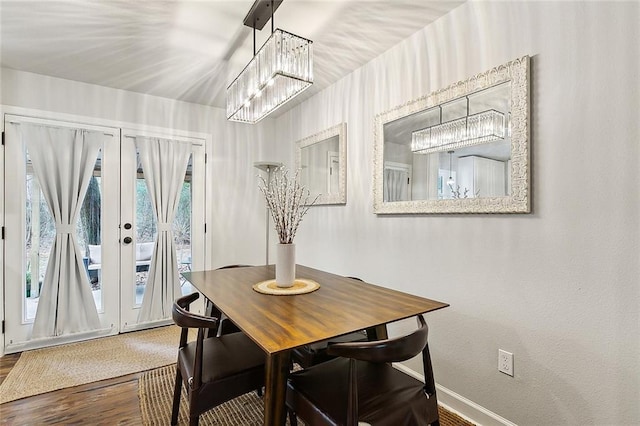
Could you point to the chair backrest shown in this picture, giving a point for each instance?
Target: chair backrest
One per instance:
(388, 350)
(185, 319)
(384, 351)
(234, 266)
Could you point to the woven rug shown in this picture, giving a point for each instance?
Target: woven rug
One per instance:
(155, 390)
(45, 370)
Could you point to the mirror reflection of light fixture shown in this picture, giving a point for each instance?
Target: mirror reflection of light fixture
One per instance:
(282, 68)
(474, 129)
(450, 181)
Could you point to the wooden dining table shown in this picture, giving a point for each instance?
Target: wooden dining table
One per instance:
(279, 323)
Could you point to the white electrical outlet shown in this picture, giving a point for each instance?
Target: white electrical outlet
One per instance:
(505, 362)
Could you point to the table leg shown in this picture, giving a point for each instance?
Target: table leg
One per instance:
(377, 333)
(277, 372)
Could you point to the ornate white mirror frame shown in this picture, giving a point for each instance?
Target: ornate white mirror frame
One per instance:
(316, 158)
(517, 200)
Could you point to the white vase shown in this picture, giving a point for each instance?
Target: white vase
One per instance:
(285, 265)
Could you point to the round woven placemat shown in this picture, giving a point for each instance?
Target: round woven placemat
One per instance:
(300, 286)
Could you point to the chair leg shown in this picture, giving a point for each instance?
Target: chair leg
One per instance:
(193, 420)
(208, 311)
(293, 419)
(176, 397)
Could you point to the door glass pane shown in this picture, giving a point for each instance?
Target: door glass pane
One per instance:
(39, 236)
(182, 230)
(40, 232)
(89, 234)
(145, 234)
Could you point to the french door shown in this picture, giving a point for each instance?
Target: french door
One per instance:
(140, 225)
(113, 225)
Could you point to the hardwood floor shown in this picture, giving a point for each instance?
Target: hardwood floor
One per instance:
(108, 402)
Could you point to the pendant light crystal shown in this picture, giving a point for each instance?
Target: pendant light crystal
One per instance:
(475, 129)
(282, 68)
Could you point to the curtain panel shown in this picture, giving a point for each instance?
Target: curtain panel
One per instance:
(63, 160)
(164, 164)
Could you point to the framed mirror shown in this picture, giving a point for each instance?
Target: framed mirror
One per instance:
(322, 163)
(461, 149)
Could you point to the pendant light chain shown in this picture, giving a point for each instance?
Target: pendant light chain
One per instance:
(272, 16)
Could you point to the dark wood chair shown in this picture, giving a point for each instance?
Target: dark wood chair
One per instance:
(213, 369)
(316, 353)
(226, 326)
(313, 354)
(362, 386)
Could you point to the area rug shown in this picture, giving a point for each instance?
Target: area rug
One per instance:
(155, 390)
(45, 370)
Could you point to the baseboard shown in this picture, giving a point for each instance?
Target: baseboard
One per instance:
(460, 405)
(43, 342)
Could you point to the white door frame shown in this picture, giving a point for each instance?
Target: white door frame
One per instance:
(2, 244)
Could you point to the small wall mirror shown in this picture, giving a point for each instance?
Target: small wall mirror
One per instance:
(322, 163)
(462, 149)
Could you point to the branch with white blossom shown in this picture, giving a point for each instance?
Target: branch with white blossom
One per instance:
(288, 202)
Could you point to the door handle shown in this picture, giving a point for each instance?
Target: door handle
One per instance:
(127, 240)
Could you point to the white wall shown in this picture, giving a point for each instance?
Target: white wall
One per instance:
(559, 287)
(235, 208)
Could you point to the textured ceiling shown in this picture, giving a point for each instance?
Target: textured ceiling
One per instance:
(192, 50)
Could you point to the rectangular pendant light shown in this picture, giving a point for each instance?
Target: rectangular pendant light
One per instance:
(475, 129)
(282, 68)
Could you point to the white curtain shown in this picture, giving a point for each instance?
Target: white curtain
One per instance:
(395, 185)
(433, 163)
(63, 161)
(424, 185)
(164, 164)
